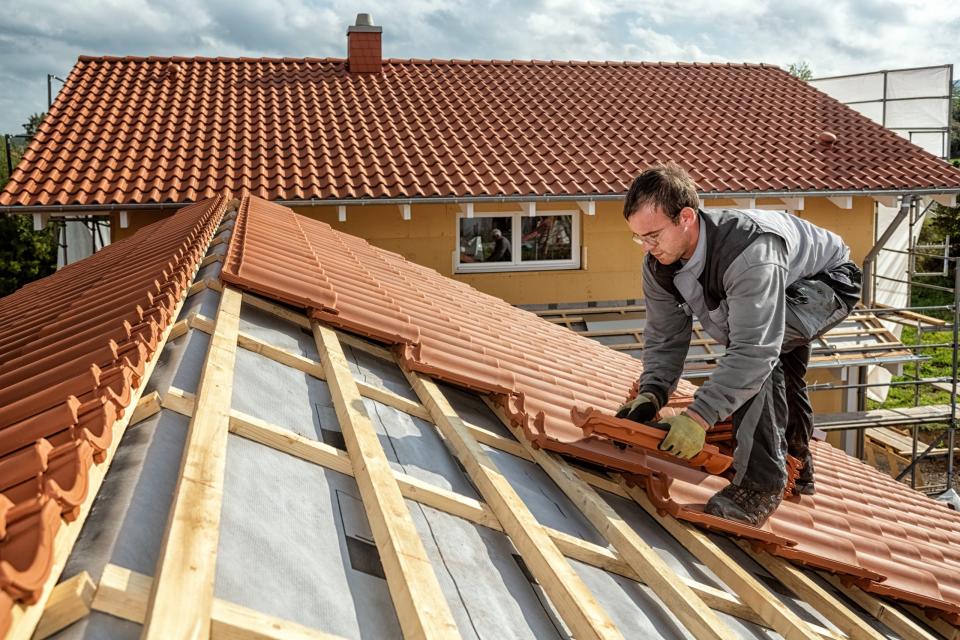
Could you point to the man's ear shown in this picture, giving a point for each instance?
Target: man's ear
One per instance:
(688, 215)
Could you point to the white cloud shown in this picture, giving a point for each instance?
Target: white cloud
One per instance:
(833, 36)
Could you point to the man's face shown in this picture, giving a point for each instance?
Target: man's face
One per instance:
(665, 239)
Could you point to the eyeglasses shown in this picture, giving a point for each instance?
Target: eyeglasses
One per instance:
(650, 239)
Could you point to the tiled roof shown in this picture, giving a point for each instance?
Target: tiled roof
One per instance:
(150, 130)
(73, 348)
(886, 537)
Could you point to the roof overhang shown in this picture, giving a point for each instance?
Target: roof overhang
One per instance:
(94, 209)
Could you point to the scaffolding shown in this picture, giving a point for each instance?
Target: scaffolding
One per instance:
(922, 319)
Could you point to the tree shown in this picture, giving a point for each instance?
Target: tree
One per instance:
(33, 123)
(800, 69)
(946, 222)
(25, 254)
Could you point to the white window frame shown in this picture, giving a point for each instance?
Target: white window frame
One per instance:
(516, 222)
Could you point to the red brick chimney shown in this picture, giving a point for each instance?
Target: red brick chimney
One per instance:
(363, 46)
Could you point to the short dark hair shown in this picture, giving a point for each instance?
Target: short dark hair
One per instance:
(667, 185)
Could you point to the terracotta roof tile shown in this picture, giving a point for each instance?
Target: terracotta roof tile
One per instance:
(73, 347)
(147, 130)
(862, 524)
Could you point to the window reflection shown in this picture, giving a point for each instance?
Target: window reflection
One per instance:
(547, 238)
(486, 239)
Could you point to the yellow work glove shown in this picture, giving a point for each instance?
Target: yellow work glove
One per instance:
(686, 436)
(643, 408)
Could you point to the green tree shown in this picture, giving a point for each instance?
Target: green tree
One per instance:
(800, 69)
(33, 123)
(25, 254)
(946, 222)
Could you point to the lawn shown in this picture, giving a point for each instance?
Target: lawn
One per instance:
(940, 359)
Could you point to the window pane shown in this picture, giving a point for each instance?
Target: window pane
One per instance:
(547, 238)
(485, 239)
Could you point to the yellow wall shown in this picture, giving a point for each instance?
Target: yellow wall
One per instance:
(611, 261)
(430, 238)
(136, 220)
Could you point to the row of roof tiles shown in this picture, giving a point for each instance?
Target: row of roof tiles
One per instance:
(561, 389)
(73, 349)
(287, 60)
(150, 130)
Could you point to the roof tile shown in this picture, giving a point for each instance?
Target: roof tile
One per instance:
(131, 131)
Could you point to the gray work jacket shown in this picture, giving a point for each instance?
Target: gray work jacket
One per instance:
(734, 284)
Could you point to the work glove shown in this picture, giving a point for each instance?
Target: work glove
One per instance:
(686, 436)
(643, 408)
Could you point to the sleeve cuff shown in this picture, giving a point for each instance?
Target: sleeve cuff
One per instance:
(658, 393)
(709, 414)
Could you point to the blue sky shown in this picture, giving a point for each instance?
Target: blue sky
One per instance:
(833, 36)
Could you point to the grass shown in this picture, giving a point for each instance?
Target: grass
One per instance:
(940, 359)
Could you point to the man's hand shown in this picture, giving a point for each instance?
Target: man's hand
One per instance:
(686, 436)
(643, 408)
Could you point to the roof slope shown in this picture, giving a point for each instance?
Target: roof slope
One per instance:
(73, 348)
(151, 130)
(889, 538)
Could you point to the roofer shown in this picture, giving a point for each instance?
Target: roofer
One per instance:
(763, 284)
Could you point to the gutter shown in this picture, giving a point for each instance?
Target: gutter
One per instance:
(353, 202)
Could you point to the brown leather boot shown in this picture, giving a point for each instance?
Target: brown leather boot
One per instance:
(744, 505)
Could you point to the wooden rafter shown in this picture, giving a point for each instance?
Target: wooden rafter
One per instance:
(69, 602)
(751, 591)
(890, 616)
(816, 596)
(421, 607)
(571, 597)
(182, 596)
(124, 594)
(679, 598)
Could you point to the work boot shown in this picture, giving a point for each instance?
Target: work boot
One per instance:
(804, 483)
(744, 505)
(803, 488)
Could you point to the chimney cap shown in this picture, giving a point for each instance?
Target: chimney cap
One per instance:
(364, 24)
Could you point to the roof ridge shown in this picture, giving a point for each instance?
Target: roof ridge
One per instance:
(438, 61)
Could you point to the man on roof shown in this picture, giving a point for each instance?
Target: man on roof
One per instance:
(763, 284)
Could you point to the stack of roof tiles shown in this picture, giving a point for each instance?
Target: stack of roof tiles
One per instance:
(73, 348)
(860, 524)
(156, 130)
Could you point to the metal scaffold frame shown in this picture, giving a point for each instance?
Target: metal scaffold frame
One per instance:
(917, 317)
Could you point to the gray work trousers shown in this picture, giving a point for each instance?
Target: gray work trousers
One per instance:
(779, 418)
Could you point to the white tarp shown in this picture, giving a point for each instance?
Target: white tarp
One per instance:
(914, 103)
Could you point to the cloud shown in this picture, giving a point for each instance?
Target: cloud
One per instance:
(833, 36)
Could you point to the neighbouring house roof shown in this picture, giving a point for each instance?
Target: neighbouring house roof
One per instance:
(293, 515)
(173, 130)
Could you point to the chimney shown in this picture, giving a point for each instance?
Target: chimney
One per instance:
(363, 46)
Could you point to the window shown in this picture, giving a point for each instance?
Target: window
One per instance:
(516, 242)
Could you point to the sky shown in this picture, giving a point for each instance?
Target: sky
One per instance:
(40, 37)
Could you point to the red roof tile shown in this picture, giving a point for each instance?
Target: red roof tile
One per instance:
(73, 347)
(149, 130)
(862, 524)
